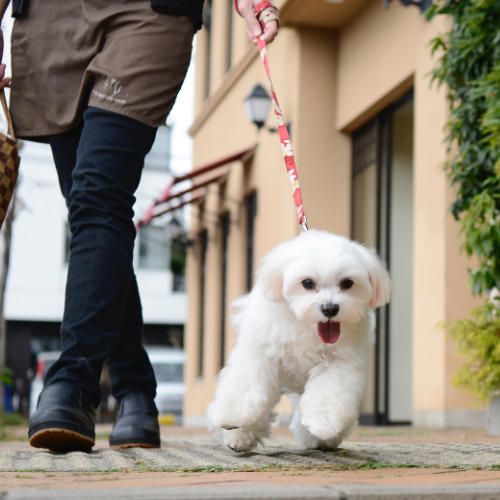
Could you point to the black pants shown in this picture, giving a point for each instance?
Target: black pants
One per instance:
(99, 165)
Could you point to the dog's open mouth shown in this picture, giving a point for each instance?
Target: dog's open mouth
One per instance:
(329, 331)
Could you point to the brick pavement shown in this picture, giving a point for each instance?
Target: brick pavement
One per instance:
(191, 459)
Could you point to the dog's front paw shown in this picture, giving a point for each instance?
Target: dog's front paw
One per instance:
(328, 427)
(330, 444)
(240, 440)
(320, 429)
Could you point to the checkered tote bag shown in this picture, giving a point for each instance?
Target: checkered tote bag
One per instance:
(9, 163)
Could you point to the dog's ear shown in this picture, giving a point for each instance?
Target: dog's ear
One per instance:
(270, 275)
(380, 280)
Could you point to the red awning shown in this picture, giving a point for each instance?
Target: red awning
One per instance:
(167, 196)
(194, 199)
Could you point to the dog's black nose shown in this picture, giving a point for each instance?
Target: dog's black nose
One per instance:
(330, 310)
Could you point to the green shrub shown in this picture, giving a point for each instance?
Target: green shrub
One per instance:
(469, 66)
(478, 343)
(7, 419)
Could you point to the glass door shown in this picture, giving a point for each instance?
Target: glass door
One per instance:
(382, 218)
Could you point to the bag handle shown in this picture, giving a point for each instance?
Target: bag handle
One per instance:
(7, 115)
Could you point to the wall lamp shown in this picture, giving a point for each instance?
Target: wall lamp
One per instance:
(421, 4)
(257, 105)
(176, 232)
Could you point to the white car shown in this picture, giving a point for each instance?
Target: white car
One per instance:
(44, 361)
(168, 365)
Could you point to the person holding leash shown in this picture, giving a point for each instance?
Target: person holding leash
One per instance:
(95, 79)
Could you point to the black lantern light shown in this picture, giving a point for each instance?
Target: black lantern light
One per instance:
(174, 228)
(177, 233)
(257, 105)
(421, 4)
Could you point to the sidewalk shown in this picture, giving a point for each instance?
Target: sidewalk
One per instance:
(374, 463)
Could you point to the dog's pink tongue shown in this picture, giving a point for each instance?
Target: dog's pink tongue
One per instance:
(329, 331)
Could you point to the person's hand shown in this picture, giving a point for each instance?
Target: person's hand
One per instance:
(4, 82)
(254, 29)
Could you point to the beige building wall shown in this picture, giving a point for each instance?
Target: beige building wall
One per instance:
(330, 80)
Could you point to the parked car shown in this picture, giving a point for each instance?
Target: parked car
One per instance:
(44, 361)
(168, 365)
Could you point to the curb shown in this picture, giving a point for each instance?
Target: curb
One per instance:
(337, 492)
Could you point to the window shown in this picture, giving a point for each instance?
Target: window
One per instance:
(178, 264)
(169, 372)
(382, 218)
(159, 156)
(154, 251)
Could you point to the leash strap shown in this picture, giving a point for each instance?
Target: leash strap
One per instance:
(7, 115)
(286, 145)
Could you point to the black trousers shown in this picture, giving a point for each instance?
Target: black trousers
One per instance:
(99, 165)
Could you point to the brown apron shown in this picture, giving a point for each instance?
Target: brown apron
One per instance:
(118, 55)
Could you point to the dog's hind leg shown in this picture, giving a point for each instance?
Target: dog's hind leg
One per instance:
(246, 439)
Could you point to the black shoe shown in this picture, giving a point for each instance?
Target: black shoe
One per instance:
(63, 421)
(136, 423)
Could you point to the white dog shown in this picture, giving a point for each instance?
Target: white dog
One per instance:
(305, 330)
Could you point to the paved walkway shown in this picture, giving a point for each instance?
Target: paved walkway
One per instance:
(193, 457)
(200, 451)
(389, 463)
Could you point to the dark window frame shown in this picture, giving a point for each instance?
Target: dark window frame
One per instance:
(225, 225)
(203, 244)
(207, 26)
(229, 47)
(251, 213)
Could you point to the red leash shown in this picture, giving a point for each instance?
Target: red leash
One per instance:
(286, 145)
(264, 12)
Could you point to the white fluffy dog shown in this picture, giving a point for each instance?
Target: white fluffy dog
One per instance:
(305, 330)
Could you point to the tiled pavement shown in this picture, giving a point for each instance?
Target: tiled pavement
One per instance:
(203, 452)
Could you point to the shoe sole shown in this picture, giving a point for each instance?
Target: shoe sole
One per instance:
(60, 440)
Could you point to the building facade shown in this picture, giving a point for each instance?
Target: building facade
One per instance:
(367, 126)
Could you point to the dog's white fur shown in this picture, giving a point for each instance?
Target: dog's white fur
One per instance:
(279, 350)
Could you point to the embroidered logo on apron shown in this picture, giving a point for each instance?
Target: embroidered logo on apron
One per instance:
(111, 88)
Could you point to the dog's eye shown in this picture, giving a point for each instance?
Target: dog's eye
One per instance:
(308, 284)
(346, 284)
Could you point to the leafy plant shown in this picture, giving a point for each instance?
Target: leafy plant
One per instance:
(469, 65)
(6, 375)
(178, 257)
(7, 419)
(478, 342)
